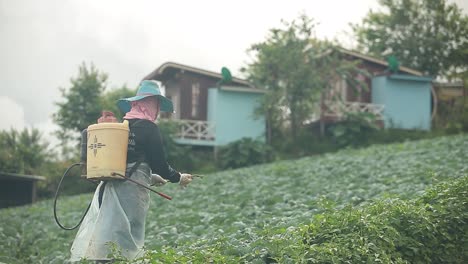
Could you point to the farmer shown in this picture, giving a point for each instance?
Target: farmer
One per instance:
(118, 210)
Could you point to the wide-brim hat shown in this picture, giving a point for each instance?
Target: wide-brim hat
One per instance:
(147, 88)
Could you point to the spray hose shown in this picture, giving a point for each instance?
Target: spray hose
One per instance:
(55, 202)
(144, 186)
(87, 209)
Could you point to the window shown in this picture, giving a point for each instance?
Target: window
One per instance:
(195, 99)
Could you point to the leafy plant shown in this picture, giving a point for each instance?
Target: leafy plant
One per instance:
(243, 153)
(180, 157)
(429, 229)
(109, 99)
(354, 130)
(452, 114)
(401, 26)
(185, 158)
(81, 105)
(23, 152)
(261, 214)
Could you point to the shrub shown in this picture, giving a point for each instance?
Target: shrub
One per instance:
(180, 157)
(431, 229)
(244, 152)
(72, 183)
(393, 135)
(194, 159)
(452, 114)
(354, 130)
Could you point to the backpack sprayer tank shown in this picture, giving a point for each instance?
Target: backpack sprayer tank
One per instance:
(106, 150)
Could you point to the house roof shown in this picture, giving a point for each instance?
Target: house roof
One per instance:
(378, 61)
(162, 73)
(14, 176)
(457, 84)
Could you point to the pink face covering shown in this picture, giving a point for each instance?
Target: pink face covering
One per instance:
(146, 108)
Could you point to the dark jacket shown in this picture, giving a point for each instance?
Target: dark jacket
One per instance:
(145, 145)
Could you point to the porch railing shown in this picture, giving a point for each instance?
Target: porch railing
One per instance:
(196, 129)
(338, 109)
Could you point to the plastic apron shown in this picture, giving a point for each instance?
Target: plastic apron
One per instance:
(120, 220)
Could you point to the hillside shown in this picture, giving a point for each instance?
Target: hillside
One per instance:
(234, 209)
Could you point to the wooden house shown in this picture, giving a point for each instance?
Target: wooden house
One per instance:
(401, 99)
(210, 112)
(17, 189)
(449, 91)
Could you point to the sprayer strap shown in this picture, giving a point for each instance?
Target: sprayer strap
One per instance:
(134, 168)
(138, 162)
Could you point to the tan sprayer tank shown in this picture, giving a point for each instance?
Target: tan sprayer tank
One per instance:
(107, 150)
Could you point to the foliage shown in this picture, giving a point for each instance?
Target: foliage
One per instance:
(257, 214)
(430, 229)
(394, 135)
(82, 105)
(39, 240)
(180, 157)
(309, 142)
(427, 35)
(109, 99)
(458, 121)
(354, 129)
(72, 184)
(184, 158)
(82, 101)
(199, 252)
(452, 115)
(23, 152)
(295, 68)
(244, 152)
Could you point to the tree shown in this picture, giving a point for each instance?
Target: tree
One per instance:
(109, 99)
(23, 152)
(82, 105)
(427, 35)
(296, 69)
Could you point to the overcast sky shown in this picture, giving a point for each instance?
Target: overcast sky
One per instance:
(44, 42)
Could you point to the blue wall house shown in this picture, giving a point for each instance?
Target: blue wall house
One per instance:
(407, 100)
(210, 112)
(231, 108)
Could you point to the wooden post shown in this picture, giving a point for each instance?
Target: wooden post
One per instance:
(215, 153)
(322, 124)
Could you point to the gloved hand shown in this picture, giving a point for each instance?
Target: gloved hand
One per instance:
(157, 180)
(185, 179)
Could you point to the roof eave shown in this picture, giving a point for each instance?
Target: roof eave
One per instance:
(378, 61)
(241, 89)
(21, 176)
(157, 73)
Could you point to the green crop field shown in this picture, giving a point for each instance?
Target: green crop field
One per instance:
(270, 213)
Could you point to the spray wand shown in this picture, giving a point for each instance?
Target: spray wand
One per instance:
(142, 185)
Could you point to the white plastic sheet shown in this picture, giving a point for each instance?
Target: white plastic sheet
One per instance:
(120, 220)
